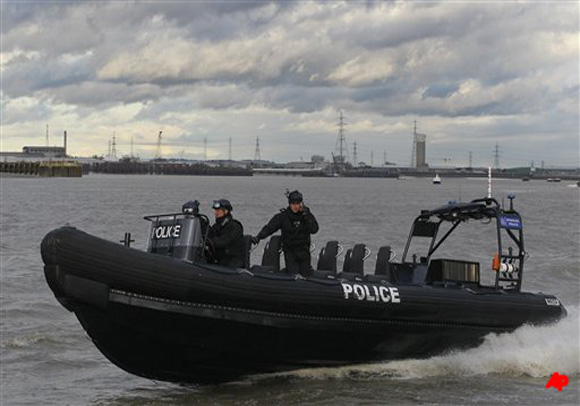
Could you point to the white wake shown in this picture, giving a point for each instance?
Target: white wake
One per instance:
(528, 351)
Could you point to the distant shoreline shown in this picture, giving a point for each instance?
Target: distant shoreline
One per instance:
(403, 177)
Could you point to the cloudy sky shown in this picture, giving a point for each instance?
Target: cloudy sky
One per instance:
(472, 74)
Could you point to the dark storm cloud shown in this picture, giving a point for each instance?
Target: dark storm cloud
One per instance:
(441, 90)
(29, 75)
(215, 21)
(105, 94)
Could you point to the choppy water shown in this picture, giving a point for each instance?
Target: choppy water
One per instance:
(47, 359)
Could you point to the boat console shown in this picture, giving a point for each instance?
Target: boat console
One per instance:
(179, 235)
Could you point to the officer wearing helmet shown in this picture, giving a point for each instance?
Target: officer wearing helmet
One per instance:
(297, 223)
(226, 237)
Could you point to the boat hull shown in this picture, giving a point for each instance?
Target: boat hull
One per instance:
(165, 319)
(169, 345)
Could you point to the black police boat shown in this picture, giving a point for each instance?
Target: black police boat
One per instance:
(166, 314)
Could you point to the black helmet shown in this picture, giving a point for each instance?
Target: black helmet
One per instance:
(222, 204)
(295, 197)
(190, 207)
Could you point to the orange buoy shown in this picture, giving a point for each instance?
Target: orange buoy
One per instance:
(495, 264)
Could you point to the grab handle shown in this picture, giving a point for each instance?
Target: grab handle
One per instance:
(367, 253)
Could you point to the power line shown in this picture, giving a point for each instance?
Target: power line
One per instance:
(496, 156)
(341, 145)
(257, 156)
(114, 147)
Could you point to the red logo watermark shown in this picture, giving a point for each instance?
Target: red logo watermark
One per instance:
(557, 381)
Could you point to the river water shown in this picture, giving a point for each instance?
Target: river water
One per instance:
(47, 359)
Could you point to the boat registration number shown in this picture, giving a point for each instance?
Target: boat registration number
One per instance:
(370, 293)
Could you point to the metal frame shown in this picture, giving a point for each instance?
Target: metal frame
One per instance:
(516, 260)
(477, 209)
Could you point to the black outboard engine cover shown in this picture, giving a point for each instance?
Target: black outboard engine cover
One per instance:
(179, 235)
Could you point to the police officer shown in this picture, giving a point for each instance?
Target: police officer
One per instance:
(297, 224)
(226, 237)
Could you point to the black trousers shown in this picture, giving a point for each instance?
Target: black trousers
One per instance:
(298, 262)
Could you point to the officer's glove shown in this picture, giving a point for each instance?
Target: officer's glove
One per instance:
(305, 211)
(255, 240)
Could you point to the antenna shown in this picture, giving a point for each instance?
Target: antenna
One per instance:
(355, 160)
(489, 182)
(257, 156)
(65, 141)
(385, 157)
(158, 149)
(414, 149)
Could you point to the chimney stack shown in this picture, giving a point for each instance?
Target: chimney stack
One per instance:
(65, 143)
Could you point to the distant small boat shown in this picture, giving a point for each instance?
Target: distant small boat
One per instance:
(550, 179)
(557, 180)
(436, 179)
(525, 179)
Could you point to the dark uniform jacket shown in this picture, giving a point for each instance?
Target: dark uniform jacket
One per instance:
(296, 229)
(227, 239)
